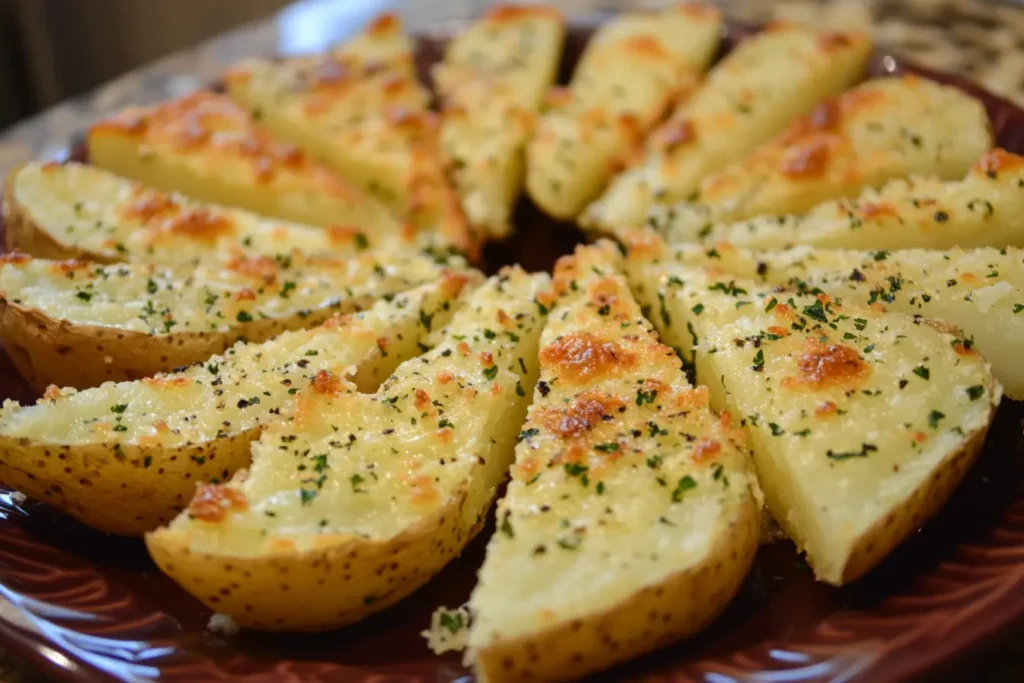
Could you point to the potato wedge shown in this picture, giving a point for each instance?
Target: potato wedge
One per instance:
(750, 96)
(126, 457)
(980, 291)
(207, 147)
(883, 129)
(635, 66)
(492, 82)
(353, 501)
(979, 211)
(382, 44)
(83, 212)
(368, 122)
(862, 422)
(631, 518)
(75, 323)
(515, 48)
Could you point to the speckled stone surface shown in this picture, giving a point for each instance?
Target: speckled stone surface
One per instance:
(980, 39)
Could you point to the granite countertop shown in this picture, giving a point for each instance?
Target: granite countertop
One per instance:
(977, 38)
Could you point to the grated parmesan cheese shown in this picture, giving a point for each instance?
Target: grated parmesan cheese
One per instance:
(223, 624)
(449, 629)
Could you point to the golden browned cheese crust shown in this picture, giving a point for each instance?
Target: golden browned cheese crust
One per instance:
(882, 129)
(160, 437)
(361, 111)
(208, 147)
(83, 212)
(747, 98)
(920, 211)
(631, 517)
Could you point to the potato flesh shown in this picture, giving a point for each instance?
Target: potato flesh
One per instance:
(885, 128)
(979, 211)
(207, 147)
(486, 158)
(633, 69)
(160, 300)
(369, 123)
(383, 482)
(748, 97)
(236, 391)
(980, 291)
(492, 81)
(108, 217)
(839, 444)
(580, 534)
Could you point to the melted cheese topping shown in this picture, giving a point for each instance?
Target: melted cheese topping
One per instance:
(850, 410)
(375, 465)
(980, 291)
(383, 42)
(368, 121)
(243, 388)
(748, 97)
(113, 218)
(633, 69)
(623, 475)
(517, 46)
(160, 300)
(492, 81)
(885, 128)
(208, 147)
(980, 210)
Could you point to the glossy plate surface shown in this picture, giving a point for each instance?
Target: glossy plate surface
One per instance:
(82, 606)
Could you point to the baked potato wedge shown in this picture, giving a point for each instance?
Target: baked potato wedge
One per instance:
(634, 67)
(83, 212)
(979, 211)
(862, 422)
(75, 323)
(209, 148)
(883, 129)
(749, 97)
(514, 48)
(383, 43)
(126, 457)
(631, 519)
(353, 501)
(492, 82)
(368, 122)
(980, 291)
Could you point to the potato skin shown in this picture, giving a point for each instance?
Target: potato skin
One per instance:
(341, 582)
(102, 486)
(48, 351)
(685, 603)
(21, 233)
(924, 503)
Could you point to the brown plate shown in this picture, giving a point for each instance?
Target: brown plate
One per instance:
(82, 606)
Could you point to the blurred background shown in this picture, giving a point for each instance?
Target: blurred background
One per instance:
(55, 49)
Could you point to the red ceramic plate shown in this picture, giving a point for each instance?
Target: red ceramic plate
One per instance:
(82, 606)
